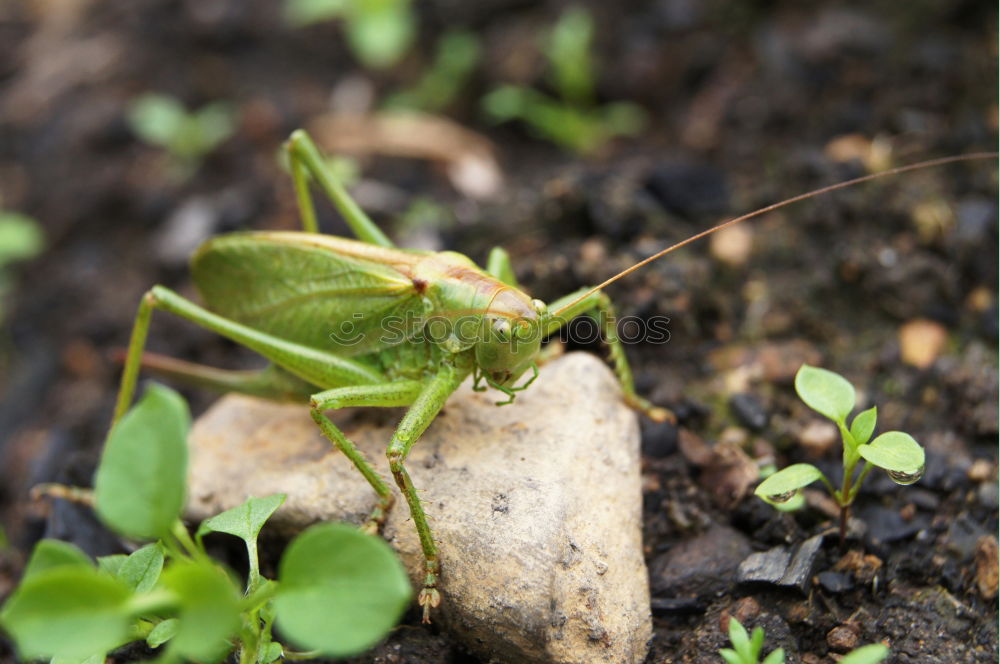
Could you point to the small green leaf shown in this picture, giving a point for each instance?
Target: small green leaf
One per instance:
(157, 118)
(756, 642)
(341, 590)
(163, 632)
(21, 237)
(825, 392)
(51, 553)
(111, 564)
(68, 611)
(776, 657)
(864, 425)
(379, 31)
(139, 487)
(209, 610)
(731, 656)
(243, 521)
(785, 482)
(870, 654)
(740, 639)
(141, 570)
(898, 453)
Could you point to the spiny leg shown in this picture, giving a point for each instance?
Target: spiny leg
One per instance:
(307, 161)
(499, 265)
(599, 307)
(309, 364)
(424, 409)
(271, 382)
(399, 393)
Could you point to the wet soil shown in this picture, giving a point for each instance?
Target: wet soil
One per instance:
(748, 103)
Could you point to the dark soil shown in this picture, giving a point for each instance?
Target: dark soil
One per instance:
(745, 103)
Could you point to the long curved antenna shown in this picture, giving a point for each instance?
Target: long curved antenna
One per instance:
(774, 206)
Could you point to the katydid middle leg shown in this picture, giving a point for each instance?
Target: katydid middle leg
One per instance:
(598, 306)
(421, 413)
(388, 395)
(499, 265)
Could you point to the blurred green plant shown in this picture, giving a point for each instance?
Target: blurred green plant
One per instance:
(338, 590)
(746, 649)
(458, 51)
(378, 31)
(21, 239)
(187, 137)
(832, 396)
(571, 120)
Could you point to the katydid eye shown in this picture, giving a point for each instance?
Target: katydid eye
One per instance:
(539, 306)
(502, 328)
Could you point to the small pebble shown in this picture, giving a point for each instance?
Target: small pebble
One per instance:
(987, 566)
(843, 637)
(921, 341)
(981, 470)
(834, 582)
(732, 245)
(818, 437)
(748, 410)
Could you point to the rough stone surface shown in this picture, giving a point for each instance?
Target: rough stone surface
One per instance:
(536, 506)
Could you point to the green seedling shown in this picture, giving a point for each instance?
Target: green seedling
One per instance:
(746, 649)
(378, 31)
(571, 120)
(21, 239)
(187, 137)
(338, 590)
(895, 452)
(458, 52)
(363, 323)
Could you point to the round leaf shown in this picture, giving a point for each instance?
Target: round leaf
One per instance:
(20, 237)
(894, 451)
(825, 392)
(68, 611)
(788, 480)
(52, 553)
(341, 590)
(139, 487)
(209, 611)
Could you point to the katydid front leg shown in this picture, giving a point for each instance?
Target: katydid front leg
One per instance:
(421, 413)
(599, 307)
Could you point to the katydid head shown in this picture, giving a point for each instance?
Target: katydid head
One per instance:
(510, 338)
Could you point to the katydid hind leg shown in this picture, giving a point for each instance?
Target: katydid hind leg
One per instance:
(421, 413)
(271, 382)
(307, 364)
(307, 162)
(388, 395)
(598, 305)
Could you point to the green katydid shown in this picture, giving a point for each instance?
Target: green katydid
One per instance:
(317, 307)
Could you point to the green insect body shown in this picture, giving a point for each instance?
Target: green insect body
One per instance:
(362, 323)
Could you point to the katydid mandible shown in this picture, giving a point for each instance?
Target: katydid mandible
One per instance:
(289, 295)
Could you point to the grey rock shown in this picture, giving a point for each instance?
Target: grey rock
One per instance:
(780, 567)
(536, 507)
(701, 566)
